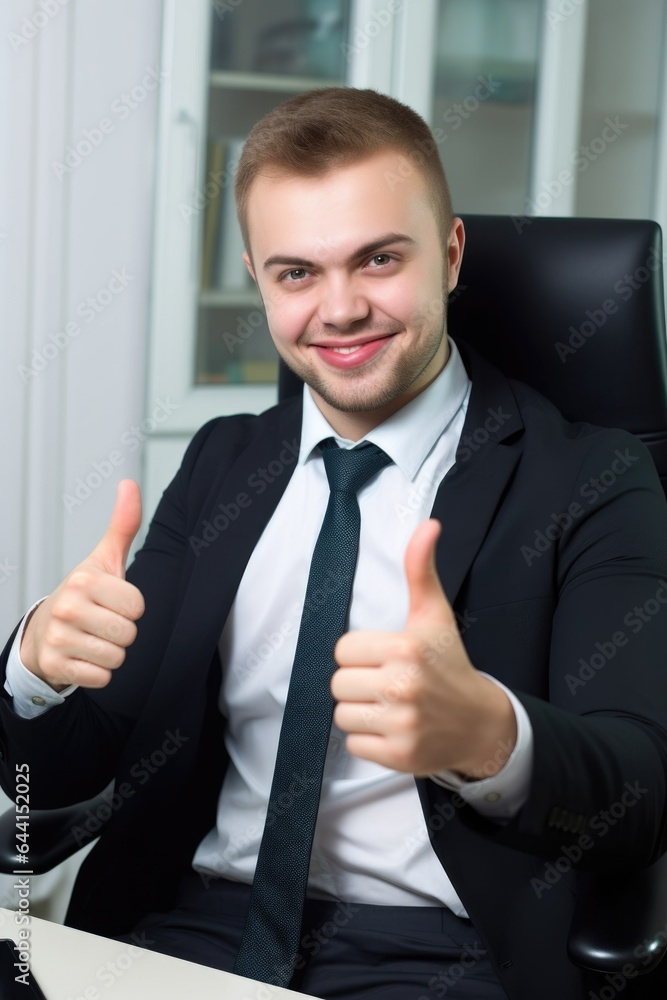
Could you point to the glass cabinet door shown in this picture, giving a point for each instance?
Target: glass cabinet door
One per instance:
(260, 54)
(617, 162)
(483, 110)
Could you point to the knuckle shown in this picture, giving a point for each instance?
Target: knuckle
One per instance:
(80, 579)
(131, 634)
(116, 658)
(54, 635)
(403, 757)
(134, 605)
(99, 679)
(64, 609)
(49, 663)
(409, 647)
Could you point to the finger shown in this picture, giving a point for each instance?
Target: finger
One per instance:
(87, 585)
(382, 750)
(118, 596)
(372, 649)
(428, 604)
(369, 746)
(80, 612)
(359, 718)
(390, 682)
(84, 674)
(113, 628)
(111, 552)
(68, 643)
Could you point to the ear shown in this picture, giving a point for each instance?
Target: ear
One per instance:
(455, 244)
(248, 264)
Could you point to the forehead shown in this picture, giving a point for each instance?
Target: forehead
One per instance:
(348, 205)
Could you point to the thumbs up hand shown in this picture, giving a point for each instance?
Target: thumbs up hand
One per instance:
(79, 634)
(412, 700)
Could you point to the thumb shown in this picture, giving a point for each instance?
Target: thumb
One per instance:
(112, 550)
(428, 604)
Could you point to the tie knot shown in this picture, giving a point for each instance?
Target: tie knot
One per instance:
(349, 468)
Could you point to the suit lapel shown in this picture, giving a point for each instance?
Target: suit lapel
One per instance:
(485, 461)
(219, 564)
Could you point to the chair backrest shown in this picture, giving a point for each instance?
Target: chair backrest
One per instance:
(573, 307)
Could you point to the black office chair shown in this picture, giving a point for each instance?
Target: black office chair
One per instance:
(575, 308)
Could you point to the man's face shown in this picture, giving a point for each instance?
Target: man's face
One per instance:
(351, 271)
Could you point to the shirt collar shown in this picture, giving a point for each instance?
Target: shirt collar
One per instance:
(409, 434)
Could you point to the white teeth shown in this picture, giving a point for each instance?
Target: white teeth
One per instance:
(345, 350)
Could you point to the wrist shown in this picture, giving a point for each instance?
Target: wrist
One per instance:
(27, 651)
(496, 735)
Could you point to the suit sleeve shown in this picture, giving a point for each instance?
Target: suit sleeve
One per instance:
(600, 742)
(73, 748)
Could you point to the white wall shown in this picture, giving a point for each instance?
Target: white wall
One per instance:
(61, 238)
(66, 236)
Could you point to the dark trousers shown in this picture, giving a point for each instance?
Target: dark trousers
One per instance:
(348, 950)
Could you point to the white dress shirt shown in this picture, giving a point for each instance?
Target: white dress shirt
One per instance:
(371, 841)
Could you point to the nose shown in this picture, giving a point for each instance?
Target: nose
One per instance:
(342, 301)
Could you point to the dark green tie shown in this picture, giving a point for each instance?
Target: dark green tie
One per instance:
(272, 931)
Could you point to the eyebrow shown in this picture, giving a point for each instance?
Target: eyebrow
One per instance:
(364, 251)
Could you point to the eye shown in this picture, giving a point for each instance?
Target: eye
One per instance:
(296, 274)
(382, 259)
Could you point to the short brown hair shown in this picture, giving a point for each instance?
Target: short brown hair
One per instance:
(335, 126)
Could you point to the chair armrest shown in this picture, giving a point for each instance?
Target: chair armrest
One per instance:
(620, 917)
(53, 834)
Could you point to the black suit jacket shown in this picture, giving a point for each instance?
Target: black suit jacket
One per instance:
(553, 554)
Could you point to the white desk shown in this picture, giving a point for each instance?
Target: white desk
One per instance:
(71, 965)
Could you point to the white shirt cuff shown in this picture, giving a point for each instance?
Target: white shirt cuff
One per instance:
(501, 796)
(31, 695)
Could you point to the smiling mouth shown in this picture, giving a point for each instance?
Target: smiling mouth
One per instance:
(349, 356)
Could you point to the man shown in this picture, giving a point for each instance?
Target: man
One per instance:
(466, 762)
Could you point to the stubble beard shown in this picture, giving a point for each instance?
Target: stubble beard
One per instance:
(362, 396)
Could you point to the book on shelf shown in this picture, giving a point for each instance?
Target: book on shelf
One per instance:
(222, 254)
(215, 154)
